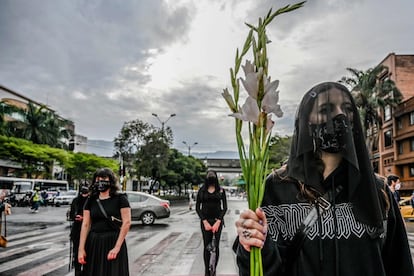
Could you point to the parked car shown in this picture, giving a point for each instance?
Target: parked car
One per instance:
(147, 208)
(406, 208)
(65, 198)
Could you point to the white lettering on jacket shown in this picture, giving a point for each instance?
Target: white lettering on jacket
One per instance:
(285, 219)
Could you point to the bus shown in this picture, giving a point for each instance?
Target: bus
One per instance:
(19, 190)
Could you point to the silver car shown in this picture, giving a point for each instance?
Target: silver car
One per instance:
(147, 208)
(65, 198)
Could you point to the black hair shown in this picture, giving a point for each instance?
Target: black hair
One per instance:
(392, 177)
(105, 172)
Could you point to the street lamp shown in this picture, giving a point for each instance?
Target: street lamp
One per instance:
(163, 122)
(189, 147)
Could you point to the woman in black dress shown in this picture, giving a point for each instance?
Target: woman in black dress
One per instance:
(211, 206)
(102, 247)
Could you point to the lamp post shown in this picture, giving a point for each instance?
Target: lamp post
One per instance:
(189, 147)
(163, 122)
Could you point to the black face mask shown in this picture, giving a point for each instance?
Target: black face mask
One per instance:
(331, 139)
(84, 191)
(211, 180)
(103, 185)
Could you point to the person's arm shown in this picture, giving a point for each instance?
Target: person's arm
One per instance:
(126, 224)
(219, 221)
(86, 226)
(73, 207)
(207, 225)
(256, 225)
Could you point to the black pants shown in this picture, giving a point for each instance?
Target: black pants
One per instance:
(207, 238)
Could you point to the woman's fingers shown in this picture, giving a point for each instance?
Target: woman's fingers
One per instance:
(252, 228)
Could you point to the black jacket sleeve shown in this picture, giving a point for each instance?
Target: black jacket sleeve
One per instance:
(224, 205)
(396, 250)
(73, 209)
(271, 260)
(198, 205)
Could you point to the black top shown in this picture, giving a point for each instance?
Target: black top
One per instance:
(76, 208)
(211, 206)
(338, 243)
(112, 206)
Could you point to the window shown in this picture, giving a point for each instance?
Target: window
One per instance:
(387, 113)
(412, 118)
(388, 138)
(399, 123)
(411, 169)
(412, 144)
(400, 148)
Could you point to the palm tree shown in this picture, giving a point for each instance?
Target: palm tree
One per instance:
(39, 125)
(372, 94)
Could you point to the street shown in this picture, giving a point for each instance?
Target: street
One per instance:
(39, 243)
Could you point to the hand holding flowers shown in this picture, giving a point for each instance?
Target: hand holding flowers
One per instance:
(257, 112)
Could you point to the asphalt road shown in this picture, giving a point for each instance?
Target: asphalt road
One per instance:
(38, 243)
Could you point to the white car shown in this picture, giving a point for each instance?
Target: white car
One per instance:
(65, 198)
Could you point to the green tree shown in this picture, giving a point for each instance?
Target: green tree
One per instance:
(279, 150)
(143, 147)
(372, 94)
(36, 160)
(83, 165)
(39, 125)
(152, 158)
(183, 171)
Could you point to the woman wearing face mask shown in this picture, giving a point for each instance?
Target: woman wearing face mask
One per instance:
(211, 206)
(326, 213)
(102, 247)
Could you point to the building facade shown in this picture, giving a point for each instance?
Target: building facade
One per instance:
(393, 151)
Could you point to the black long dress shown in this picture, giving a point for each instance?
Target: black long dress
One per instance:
(102, 238)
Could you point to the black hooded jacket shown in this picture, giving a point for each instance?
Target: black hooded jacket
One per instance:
(336, 245)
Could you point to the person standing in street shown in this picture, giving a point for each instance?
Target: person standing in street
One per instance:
(35, 200)
(326, 213)
(211, 206)
(102, 248)
(76, 216)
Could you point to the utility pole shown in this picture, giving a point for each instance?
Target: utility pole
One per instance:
(163, 122)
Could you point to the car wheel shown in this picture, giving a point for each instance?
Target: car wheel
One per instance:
(148, 218)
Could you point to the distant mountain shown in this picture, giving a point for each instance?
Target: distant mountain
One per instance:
(216, 155)
(101, 148)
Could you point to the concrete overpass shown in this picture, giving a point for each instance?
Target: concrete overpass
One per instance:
(223, 165)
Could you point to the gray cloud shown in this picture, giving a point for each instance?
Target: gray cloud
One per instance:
(90, 60)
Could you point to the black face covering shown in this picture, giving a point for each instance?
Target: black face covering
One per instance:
(84, 190)
(211, 180)
(337, 135)
(331, 137)
(102, 185)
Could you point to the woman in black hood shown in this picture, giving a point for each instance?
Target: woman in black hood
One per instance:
(211, 206)
(326, 213)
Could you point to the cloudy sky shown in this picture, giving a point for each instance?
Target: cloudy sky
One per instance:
(102, 63)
